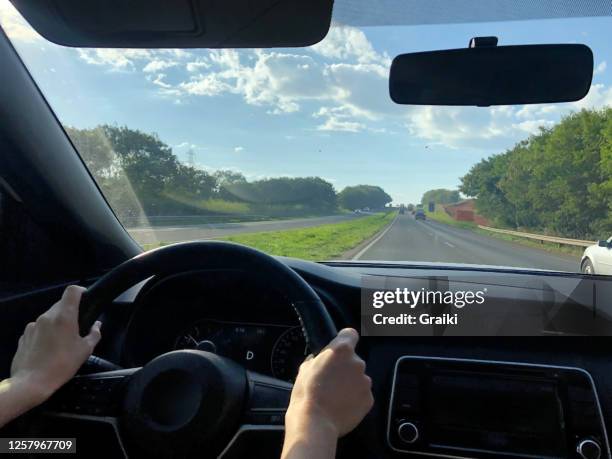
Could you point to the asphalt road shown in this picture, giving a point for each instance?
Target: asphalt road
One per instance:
(151, 235)
(410, 240)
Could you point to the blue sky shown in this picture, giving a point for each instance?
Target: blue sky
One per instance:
(321, 111)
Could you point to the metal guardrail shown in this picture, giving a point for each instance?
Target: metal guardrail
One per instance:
(541, 238)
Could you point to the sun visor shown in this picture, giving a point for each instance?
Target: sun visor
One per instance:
(179, 23)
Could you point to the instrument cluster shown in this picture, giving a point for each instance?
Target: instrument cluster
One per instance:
(275, 350)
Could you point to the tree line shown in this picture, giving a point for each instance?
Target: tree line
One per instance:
(141, 175)
(558, 181)
(440, 196)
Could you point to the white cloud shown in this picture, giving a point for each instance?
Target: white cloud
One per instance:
(532, 126)
(350, 43)
(529, 112)
(150, 60)
(599, 96)
(496, 127)
(471, 127)
(350, 82)
(114, 59)
(158, 64)
(238, 149)
(159, 81)
(342, 82)
(14, 25)
(601, 68)
(201, 63)
(208, 85)
(278, 80)
(335, 124)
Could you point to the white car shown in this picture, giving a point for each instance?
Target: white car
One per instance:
(597, 258)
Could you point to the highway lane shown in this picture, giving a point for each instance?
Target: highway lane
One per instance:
(410, 240)
(151, 235)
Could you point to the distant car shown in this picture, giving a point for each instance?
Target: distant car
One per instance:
(420, 215)
(597, 258)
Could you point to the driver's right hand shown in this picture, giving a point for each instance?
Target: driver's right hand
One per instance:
(331, 389)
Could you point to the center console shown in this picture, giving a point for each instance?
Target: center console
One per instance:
(458, 408)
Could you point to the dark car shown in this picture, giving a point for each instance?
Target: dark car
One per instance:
(420, 215)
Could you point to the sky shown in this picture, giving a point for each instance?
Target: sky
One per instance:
(319, 111)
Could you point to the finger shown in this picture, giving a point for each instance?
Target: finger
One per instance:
(94, 335)
(346, 336)
(72, 296)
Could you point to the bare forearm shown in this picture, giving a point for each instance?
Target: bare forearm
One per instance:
(16, 397)
(307, 437)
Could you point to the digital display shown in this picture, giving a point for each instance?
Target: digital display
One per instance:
(489, 413)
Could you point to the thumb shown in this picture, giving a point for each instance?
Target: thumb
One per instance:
(94, 335)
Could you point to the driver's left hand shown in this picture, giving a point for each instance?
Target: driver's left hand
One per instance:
(51, 350)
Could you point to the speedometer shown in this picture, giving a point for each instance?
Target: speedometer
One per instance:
(288, 353)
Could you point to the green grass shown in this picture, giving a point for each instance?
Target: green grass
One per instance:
(441, 216)
(318, 242)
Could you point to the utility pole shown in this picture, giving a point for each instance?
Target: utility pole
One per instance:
(191, 157)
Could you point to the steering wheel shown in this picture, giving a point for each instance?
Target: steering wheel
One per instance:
(190, 402)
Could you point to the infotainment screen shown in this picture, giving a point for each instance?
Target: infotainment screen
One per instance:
(488, 413)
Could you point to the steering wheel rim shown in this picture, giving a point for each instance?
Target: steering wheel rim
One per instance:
(185, 401)
(317, 325)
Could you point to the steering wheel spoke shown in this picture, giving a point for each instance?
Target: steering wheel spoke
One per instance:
(268, 400)
(96, 394)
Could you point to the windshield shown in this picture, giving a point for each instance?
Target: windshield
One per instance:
(301, 152)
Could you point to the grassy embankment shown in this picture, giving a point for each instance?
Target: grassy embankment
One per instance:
(323, 242)
(441, 216)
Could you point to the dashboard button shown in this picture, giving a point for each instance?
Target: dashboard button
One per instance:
(408, 432)
(588, 449)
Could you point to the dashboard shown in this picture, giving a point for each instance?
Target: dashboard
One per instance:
(254, 325)
(242, 316)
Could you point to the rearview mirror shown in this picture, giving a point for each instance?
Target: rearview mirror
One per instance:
(179, 23)
(605, 244)
(492, 75)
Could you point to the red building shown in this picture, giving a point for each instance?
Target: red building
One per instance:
(465, 211)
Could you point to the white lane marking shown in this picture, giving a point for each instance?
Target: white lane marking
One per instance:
(449, 244)
(369, 246)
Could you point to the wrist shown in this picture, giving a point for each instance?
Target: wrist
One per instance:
(29, 390)
(309, 433)
(309, 419)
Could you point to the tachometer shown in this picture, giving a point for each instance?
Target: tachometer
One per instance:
(288, 353)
